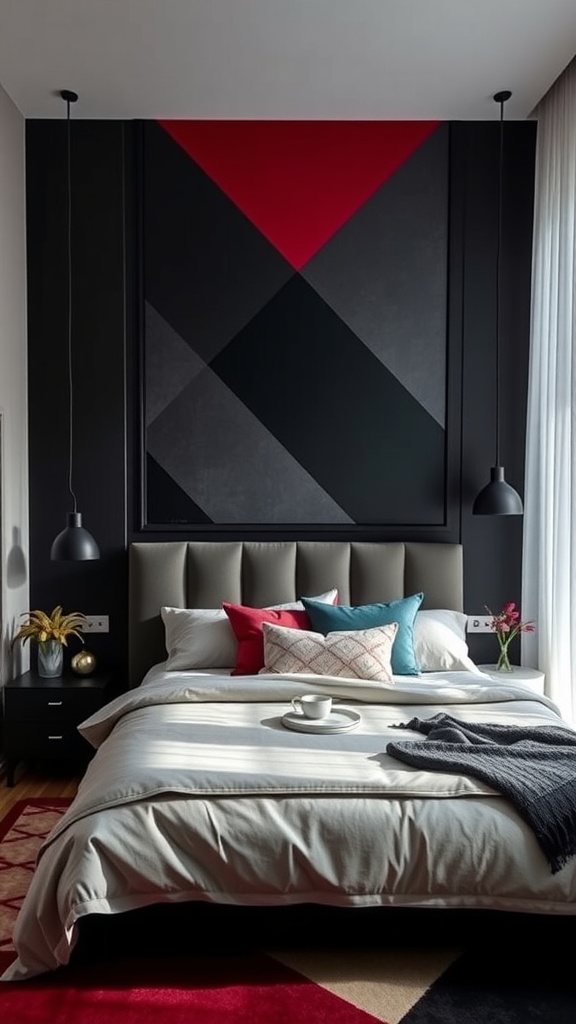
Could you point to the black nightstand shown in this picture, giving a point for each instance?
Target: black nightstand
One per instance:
(41, 715)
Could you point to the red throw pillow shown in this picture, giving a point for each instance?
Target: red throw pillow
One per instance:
(247, 625)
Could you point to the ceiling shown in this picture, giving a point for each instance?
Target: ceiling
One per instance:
(282, 59)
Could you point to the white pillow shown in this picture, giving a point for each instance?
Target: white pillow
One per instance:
(354, 654)
(439, 637)
(204, 638)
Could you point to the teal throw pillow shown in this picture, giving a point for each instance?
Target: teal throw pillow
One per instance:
(327, 618)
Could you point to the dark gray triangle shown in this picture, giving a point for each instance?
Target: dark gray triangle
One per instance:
(230, 465)
(170, 363)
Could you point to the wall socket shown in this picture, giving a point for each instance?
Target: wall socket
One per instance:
(479, 623)
(96, 624)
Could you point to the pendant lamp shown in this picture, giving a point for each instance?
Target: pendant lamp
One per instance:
(74, 543)
(498, 498)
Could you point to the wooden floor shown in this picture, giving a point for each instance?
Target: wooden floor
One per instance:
(33, 781)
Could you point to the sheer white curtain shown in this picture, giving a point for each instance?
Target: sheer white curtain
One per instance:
(549, 559)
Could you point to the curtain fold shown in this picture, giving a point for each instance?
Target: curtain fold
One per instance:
(549, 539)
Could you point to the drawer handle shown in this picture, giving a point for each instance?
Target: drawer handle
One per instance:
(55, 737)
(55, 703)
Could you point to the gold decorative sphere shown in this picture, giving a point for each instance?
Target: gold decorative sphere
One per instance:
(83, 663)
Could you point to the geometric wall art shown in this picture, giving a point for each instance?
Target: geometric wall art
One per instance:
(294, 289)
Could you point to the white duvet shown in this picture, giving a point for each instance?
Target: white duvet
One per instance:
(198, 792)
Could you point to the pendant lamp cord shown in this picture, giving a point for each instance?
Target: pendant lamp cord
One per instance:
(498, 256)
(500, 98)
(69, 98)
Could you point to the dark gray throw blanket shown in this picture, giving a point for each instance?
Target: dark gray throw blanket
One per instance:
(534, 766)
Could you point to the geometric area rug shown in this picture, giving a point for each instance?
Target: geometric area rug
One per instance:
(210, 968)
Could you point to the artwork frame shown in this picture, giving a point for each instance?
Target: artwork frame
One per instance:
(159, 333)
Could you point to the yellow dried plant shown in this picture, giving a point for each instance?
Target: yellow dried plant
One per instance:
(56, 626)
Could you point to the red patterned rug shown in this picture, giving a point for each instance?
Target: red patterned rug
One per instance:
(201, 966)
(21, 832)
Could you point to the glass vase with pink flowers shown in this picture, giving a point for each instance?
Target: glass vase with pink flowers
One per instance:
(507, 624)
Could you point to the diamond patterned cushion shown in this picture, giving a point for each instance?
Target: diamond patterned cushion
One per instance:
(354, 654)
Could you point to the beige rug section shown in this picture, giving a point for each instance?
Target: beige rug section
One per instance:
(385, 983)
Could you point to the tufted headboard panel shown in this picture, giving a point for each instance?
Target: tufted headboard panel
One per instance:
(203, 574)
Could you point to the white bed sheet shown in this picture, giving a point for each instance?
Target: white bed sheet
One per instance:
(197, 792)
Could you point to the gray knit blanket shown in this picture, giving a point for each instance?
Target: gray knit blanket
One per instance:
(533, 766)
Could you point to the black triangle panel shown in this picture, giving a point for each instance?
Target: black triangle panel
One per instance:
(207, 270)
(166, 502)
(338, 410)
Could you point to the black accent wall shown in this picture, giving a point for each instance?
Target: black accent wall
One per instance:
(108, 371)
(99, 342)
(493, 544)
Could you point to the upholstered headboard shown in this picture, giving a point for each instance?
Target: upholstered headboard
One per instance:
(202, 574)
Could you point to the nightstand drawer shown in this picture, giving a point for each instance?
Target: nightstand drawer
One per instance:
(38, 705)
(41, 742)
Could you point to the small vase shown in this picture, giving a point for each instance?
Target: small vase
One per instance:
(50, 659)
(503, 663)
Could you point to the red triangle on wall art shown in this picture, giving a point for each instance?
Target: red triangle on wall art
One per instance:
(299, 181)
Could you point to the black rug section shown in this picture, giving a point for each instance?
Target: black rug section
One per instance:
(502, 985)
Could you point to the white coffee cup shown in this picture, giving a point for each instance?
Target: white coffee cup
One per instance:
(312, 705)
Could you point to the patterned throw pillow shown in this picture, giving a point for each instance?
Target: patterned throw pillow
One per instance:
(354, 654)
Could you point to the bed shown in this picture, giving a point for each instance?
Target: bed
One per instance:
(197, 791)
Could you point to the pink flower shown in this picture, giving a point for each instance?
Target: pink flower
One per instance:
(507, 623)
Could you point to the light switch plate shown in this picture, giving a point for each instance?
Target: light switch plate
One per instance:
(96, 624)
(480, 623)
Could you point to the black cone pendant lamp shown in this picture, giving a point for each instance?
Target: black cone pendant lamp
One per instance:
(498, 498)
(74, 544)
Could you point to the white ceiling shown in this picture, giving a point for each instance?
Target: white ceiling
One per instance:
(276, 59)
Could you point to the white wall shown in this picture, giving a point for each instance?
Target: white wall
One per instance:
(13, 388)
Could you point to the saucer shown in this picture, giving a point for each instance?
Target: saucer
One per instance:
(340, 720)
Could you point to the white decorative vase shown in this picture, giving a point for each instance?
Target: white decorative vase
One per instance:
(50, 659)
